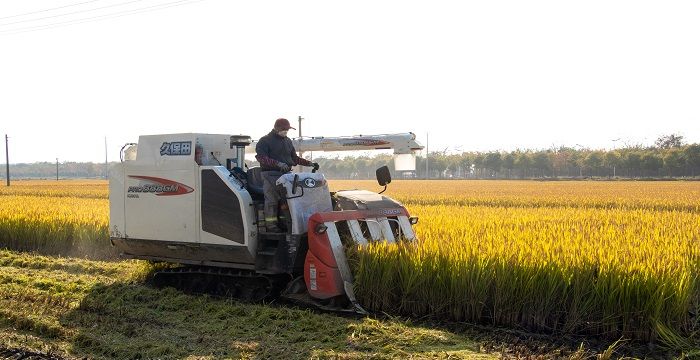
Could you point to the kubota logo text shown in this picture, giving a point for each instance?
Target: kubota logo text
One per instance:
(159, 186)
(176, 148)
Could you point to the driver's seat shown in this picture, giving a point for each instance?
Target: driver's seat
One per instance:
(255, 181)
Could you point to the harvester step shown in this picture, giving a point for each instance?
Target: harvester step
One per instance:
(267, 252)
(272, 234)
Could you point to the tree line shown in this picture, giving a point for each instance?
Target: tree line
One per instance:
(47, 170)
(669, 157)
(664, 159)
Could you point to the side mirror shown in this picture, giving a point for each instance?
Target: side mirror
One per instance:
(383, 176)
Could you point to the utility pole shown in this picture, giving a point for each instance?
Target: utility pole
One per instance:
(615, 148)
(56, 169)
(580, 166)
(105, 157)
(7, 162)
(427, 154)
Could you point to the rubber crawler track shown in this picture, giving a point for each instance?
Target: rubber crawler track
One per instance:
(245, 285)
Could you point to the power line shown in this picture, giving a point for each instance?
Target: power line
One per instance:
(71, 13)
(99, 17)
(51, 9)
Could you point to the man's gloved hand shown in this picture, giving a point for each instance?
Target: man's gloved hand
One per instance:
(315, 165)
(284, 167)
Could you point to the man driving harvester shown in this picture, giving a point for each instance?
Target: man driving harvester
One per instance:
(276, 155)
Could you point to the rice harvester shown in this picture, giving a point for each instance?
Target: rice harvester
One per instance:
(188, 199)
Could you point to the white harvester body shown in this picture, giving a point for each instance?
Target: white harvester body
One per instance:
(164, 195)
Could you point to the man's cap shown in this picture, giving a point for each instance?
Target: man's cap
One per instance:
(283, 124)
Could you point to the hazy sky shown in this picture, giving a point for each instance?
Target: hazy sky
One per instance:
(489, 75)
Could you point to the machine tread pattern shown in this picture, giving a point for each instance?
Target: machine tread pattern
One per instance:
(246, 285)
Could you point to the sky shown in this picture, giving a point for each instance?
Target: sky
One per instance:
(470, 75)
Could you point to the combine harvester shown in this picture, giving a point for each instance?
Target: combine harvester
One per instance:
(186, 199)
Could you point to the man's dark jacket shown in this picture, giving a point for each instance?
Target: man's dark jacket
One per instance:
(273, 148)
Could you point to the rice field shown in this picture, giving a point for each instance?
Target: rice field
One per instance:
(610, 259)
(56, 217)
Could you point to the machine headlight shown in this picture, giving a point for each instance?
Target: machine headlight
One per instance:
(321, 228)
(413, 220)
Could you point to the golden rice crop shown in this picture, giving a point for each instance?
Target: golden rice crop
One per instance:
(95, 189)
(57, 225)
(660, 195)
(617, 262)
(604, 258)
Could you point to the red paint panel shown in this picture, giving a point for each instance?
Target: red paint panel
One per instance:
(319, 244)
(322, 281)
(321, 273)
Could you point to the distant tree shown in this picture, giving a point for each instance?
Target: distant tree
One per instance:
(362, 167)
(479, 160)
(561, 160)
(466, 161)
(612, 160)
(453, 164)
(493, 162)
(674, 161)
(594, 161)
(344, 169)
(692, 158)
(523, 162)
(508, 162)
(633, 162)
(420, 167)
(540, 161)
(576, 158)
(652, 162)
(327, 166)
(438, 163)
(669, 141)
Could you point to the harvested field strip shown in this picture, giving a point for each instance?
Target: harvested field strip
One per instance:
(75, 314)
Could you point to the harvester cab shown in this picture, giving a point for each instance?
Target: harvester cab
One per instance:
(186, 199)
